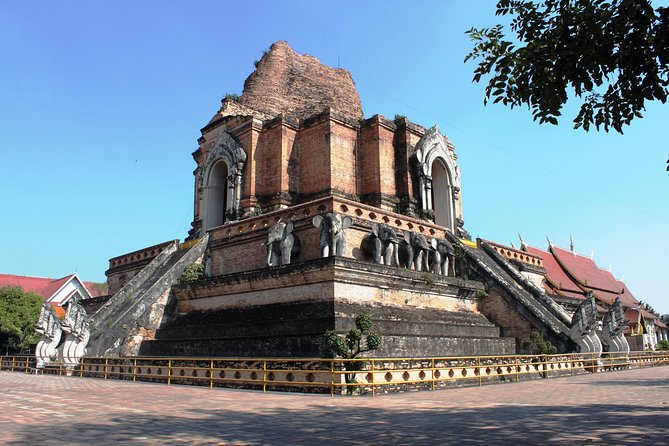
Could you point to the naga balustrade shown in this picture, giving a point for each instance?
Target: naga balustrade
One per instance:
(338, 376)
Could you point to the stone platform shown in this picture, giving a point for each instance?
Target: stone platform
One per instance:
(285, 311)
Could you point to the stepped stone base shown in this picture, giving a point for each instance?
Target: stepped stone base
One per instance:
(284, 311)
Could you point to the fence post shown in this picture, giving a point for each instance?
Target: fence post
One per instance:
(478, 367)
(211, 373)
(169, 371)
(373, 390)
(134, 370)
(264, 376)
(81, 367)
(106, 362)
(332, 377)
(433, 377)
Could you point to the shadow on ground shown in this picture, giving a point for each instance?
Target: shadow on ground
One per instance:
(503, 424)
(657, 383)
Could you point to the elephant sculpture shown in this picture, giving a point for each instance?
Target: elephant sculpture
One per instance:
(415, 251)
(332, 226)
(281, 244)
(382, 243)
(442, 253)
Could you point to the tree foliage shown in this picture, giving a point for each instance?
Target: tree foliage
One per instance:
(611, 54)
(19, 312)
(537, 345)
(358, 340)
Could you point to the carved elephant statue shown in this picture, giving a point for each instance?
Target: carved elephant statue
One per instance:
(415, 251)
(442, 254)
(281, 244)
(332, 226)
(382, 243)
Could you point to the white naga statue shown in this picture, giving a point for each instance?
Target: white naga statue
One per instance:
(75, 325)
(584, 327)
(49, 328)
(613, 327)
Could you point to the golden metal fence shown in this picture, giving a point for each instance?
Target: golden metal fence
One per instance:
(337, 376)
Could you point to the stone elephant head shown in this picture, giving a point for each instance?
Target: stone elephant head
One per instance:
(332, 226)
(442, 254)
(415, 251)
(281, 244)
(382, 243)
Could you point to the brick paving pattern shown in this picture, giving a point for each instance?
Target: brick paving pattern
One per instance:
(620, 408)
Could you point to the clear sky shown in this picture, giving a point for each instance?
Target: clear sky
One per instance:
(102, 103)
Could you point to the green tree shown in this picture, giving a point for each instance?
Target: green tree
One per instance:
(19, 312)
(611, 54)
(358, 340)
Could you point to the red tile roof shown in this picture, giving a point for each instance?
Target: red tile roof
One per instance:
(42, 286)
(583, 270)
(626, 296)
(93, 290)
(573, 275)
(37, 285)
(556, 276)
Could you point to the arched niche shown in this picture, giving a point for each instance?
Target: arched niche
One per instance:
(442, 194)
(216, 196)
(438, 180)
(219, 181)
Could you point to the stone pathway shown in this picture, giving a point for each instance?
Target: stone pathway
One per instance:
(619, 408)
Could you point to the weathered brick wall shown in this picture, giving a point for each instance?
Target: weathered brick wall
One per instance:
(511, 323)
(343, 166)
(370, 163)
(314, 159)
(298, 85)
(267, 162)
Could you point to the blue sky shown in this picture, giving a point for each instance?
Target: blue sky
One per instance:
(102, 103)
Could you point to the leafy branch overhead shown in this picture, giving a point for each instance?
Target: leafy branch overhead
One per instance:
(613, 55)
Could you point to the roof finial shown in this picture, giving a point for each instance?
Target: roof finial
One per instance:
(571, 244)
(550, 245)
(622, 279)
(592, 255)
(522, 243)
(512, 245)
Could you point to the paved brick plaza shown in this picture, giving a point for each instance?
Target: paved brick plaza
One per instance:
(630, 407)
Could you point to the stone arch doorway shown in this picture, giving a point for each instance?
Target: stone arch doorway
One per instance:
(442, 202)
(216, 196)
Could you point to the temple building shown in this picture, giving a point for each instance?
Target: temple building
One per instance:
(307, 214)
(57, 292)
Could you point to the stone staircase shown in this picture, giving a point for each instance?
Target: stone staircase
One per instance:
(133, 307)
(524, 297)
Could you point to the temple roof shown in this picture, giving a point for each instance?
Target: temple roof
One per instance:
(570, 274)
(557, 279)
(583, 270)
(46, 287)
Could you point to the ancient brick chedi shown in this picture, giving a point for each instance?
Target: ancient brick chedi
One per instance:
(307, 214)
(297, 134)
